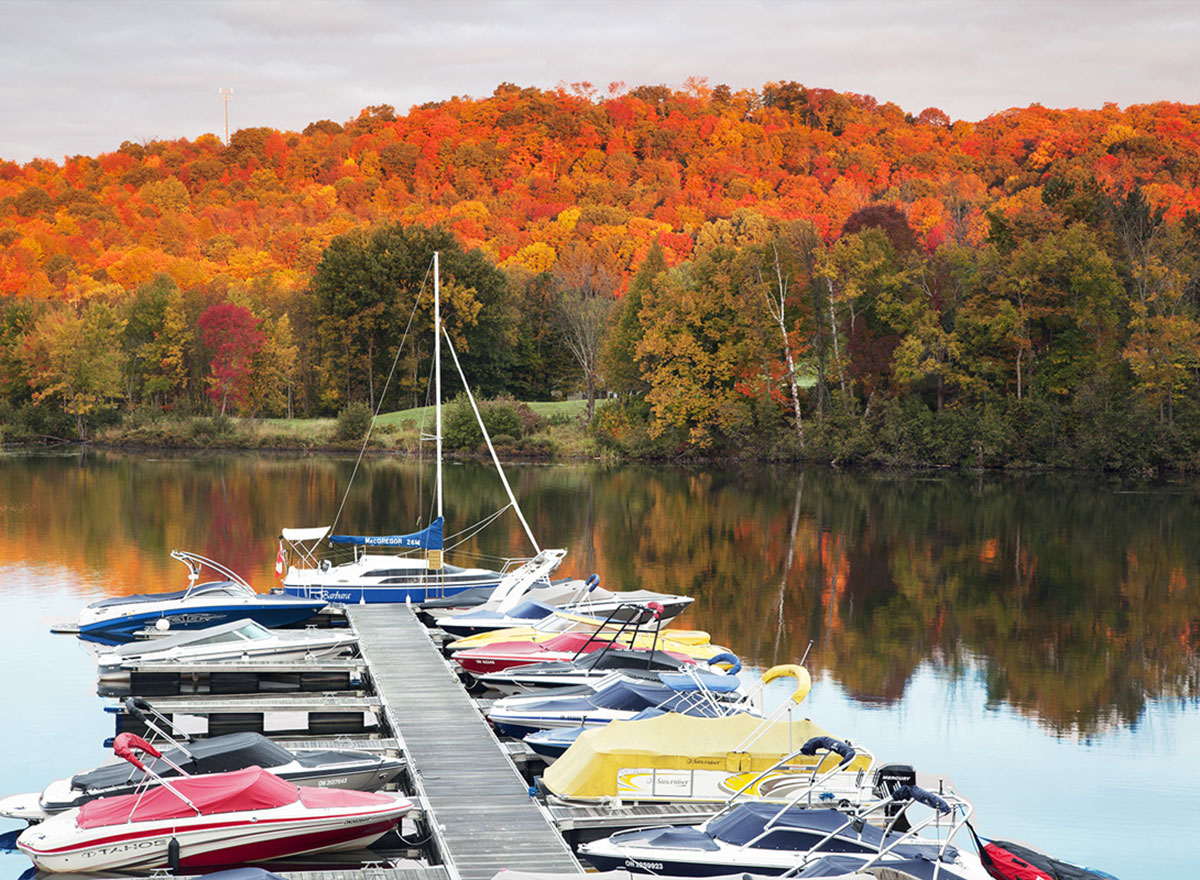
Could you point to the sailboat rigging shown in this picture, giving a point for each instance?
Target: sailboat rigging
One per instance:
(399, 577)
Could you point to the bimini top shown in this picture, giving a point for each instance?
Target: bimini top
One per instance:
(429, 538)
(591, 766)
(250, 789)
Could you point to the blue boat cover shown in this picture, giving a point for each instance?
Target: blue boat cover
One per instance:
(799, 829)
(718, 683)
(672, 837)
(429, 538)
(530, 609)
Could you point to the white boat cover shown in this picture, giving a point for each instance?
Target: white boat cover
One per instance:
(314, 534)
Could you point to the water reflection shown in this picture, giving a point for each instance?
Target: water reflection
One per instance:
(1075, 600)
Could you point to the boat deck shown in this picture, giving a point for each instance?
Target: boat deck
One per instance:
(189, 667)
(483, 817)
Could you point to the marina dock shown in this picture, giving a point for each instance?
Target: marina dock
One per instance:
(478, 806)
(475, 814)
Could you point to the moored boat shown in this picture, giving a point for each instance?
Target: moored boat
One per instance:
(325, 768)
(769, 839)
(119, 619)
(223, 819)
(243, 639)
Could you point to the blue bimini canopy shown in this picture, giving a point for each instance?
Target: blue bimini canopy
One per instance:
(427, 539)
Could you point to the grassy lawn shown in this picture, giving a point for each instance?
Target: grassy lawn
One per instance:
(399, 429)
(423, 415)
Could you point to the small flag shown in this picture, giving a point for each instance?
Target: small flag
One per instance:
(279, 559)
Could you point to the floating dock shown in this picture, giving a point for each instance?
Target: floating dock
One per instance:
(477, 805)
(399, 697)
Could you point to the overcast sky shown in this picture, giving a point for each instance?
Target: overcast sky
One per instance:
(81, 76)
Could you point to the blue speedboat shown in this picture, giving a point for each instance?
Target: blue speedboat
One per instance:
(119, 619)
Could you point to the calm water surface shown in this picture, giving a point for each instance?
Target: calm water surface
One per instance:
(1034, 639)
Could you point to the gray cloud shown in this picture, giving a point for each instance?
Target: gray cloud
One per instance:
(81, 77)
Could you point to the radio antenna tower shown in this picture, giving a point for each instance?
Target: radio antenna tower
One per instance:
(226, 94)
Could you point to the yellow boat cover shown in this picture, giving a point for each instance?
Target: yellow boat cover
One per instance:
(590, 768)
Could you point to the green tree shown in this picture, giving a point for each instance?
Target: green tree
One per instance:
(618, 357)
(143, 324)
(541, 363)
(17, 316)
(365, 288)
(76, 360)
(274, 370)
(699, 343)
(168, 357)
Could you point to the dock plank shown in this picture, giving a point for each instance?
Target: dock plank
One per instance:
(484, 817)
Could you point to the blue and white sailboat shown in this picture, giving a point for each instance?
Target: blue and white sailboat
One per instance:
(415, 571)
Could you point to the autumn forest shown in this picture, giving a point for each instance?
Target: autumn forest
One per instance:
(785, 273)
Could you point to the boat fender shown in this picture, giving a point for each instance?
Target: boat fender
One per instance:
(726, 657)
(173, 855)
(830, 745)
(921, 796)
(592, 582)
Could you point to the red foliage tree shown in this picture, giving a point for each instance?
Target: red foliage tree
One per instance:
(231, 333)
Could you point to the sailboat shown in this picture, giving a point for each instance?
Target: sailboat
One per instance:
(414, 570)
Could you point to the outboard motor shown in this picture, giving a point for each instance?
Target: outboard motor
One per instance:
(887, 779)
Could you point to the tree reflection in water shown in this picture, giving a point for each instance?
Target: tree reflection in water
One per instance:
(1075, 595)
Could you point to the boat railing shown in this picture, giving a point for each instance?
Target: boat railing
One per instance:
(155, 722)
(703, 697)
(126, 746)
(817, 777)
(941, 805)
(615, 625)
(784, 709)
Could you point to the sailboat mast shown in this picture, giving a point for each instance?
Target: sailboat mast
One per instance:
(437, 373)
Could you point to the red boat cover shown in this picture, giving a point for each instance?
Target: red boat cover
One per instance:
(250, 789)
(317, 798)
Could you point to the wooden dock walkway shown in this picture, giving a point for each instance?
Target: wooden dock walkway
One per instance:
(483, 818)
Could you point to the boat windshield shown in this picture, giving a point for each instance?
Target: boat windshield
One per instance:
(220, 588)
(253, 631)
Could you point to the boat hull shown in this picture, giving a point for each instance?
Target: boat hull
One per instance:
(350, 594)
(206, 842)
(120, 630)
(117, 669)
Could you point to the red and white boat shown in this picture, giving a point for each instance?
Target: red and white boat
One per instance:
(217, 820)
(567, 646)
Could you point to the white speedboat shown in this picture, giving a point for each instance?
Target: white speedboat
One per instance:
(118, 619)
(768, 839)
(243, 639)
(223, 819)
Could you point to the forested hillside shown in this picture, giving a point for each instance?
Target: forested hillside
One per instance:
(787, 272)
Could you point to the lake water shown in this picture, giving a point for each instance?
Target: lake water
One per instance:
(1035, 639)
